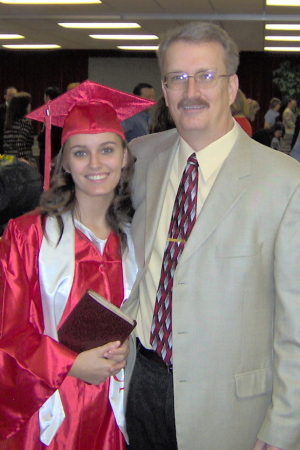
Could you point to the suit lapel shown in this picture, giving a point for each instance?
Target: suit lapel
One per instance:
(227, 190)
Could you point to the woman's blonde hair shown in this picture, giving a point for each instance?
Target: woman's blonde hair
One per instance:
(240, 105)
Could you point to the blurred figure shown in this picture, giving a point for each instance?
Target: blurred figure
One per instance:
(277, 130)
(20, 189)
(139, 124)
(18, 131)
(271, 137)
(240, 111)
(50, 93)
(272, 113)
(289, 120)
(162, 119)
(8, 95)
(253, 109)
(72, 86)
(296, 131)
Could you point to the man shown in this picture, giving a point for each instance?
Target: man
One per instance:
(8, 95)
(230, 366)
(289, 121)
(272, 113)
(138, 125)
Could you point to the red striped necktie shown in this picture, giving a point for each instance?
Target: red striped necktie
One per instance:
(181, 224)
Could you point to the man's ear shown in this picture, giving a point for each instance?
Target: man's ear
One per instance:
(233, 86)
(164, 89)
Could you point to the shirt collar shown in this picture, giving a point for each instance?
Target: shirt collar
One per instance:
(211, 156)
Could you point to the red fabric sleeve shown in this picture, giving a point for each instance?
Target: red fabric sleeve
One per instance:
(32, 366)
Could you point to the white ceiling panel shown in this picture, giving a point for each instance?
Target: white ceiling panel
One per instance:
(243, 19)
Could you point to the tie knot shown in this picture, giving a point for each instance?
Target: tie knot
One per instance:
(193, 160)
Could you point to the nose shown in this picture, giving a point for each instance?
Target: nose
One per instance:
(192, 89)
(95, 159)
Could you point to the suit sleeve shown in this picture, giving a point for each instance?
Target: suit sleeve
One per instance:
(32, 365)
(281, 427)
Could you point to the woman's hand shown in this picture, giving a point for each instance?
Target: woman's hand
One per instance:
(118, 356)
(94, 366)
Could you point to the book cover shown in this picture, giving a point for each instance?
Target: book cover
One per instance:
(94, 322)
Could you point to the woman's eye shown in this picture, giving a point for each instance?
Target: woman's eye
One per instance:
(79, 153)
(107, 150)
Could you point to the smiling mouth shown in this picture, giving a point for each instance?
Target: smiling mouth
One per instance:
(96, 177)
(195, 104)
(194, 107)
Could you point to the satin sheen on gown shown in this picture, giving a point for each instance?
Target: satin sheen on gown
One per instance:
(33, 366)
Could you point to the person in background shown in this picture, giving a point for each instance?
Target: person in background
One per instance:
(50, 93)
(253, 109)
(272, 113)
(72, 85)
(271, 137)
(51, 397)
(296, 131)
(9, 92)
(162, 119)
(139, 124)
(288, 120)
(18, 130)
(20, 188)
(217, 239)
(240, 112)
(277, 133)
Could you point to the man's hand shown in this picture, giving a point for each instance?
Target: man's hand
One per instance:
(260, 445)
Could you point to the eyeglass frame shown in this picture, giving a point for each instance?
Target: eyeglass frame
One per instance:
(207, 82)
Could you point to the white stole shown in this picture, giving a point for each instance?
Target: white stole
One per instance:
(56, 273)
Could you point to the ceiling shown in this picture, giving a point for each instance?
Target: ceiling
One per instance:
(243, 19)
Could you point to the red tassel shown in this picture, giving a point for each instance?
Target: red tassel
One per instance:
(48, 158)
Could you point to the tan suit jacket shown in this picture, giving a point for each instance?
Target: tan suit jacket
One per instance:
(236, 296)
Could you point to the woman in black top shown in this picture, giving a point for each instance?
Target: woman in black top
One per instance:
(18, 131)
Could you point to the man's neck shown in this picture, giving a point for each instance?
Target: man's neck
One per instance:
(198, 140)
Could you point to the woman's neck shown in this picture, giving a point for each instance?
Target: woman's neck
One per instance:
(92, 214)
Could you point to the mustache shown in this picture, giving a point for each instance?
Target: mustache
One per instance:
(190, 102)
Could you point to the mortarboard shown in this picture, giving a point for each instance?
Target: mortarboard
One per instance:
(87, 109)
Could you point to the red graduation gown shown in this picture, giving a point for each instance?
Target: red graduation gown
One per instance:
(32, 365)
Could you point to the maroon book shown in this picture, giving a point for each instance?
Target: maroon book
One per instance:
(94, 322)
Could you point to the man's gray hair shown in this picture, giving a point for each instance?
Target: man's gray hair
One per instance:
(198, 33)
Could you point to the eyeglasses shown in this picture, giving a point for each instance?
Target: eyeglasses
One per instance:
(205, 78)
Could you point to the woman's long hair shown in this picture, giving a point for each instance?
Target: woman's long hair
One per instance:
(17, 109)
(61, 198)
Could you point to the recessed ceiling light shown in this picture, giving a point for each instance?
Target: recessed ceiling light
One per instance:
(283, 26)
(282, 49)
(138, 47)
(11, 36)
(99, 25)
(282, 38)
(49, 2)
(283, 3)
(124, 36)
(32, 46)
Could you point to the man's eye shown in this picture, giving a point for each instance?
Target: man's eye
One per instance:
(208, 76)
(179, 77)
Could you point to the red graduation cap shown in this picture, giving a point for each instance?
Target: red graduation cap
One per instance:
(89, 108)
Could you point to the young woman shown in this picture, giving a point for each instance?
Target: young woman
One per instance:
(79, 239)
